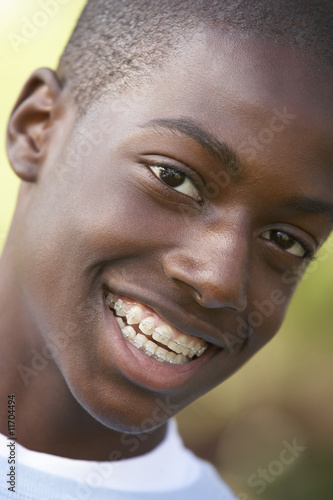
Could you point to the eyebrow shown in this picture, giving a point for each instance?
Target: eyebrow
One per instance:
(226, 155)
(311, 206)
(189, 128)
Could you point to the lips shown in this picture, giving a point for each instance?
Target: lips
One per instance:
(149, 333)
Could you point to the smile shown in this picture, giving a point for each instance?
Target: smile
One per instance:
(147, 331)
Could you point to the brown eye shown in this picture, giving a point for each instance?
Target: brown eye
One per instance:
(286, 242)
(171, 177)
(176, 180)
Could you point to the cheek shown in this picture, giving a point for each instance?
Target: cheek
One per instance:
(264, 317)
(114, 221)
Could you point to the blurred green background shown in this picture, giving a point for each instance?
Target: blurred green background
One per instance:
(283, 398)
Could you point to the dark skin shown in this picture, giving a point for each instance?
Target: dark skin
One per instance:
(98, 219)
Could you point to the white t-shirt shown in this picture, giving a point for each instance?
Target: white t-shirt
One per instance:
(166, 472)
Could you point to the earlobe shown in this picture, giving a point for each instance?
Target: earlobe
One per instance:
(30, 123)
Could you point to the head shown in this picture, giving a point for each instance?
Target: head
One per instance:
(181, 160)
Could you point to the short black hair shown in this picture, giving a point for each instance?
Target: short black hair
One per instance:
(117, 43)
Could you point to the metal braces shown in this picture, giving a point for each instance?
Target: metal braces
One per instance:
(149, 327)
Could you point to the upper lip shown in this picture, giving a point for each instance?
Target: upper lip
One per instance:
(179, 318)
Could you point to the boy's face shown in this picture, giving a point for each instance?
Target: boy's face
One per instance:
(215, 251)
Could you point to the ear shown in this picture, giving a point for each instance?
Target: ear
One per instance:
(30, 124)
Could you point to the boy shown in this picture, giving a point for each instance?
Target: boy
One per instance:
(150, 228)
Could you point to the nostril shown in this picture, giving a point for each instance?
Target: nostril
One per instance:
(211, 283)
(209, 300)
(214, 297)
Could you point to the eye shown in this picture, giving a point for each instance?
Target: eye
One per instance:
(288, 243)
(176, 180)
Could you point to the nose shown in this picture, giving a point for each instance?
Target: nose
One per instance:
(214, 270)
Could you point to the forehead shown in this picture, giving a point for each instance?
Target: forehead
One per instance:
(259, 71)
(272, 104)
(228, 79)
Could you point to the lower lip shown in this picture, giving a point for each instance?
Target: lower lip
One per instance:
(146, 371)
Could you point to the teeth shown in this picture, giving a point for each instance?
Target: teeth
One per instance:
(140, 340)
(162, 334)
(120, 323)
(129, 332)
(173, 345)
(134, 315)
(161, 353)
(147, 325)
(150, 347)
(183, 346)
(171, 357)
(186, 351)
(202, 350)
(119, 308)
(180, 359)
(159, 338)
(109, 300)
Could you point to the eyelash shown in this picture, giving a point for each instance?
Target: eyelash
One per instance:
(176, 170)
(309, 255)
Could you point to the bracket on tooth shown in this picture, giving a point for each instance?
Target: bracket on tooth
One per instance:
(192, 350)
(109, 299)
(202, 350)
(118, 306)
(146, 327)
